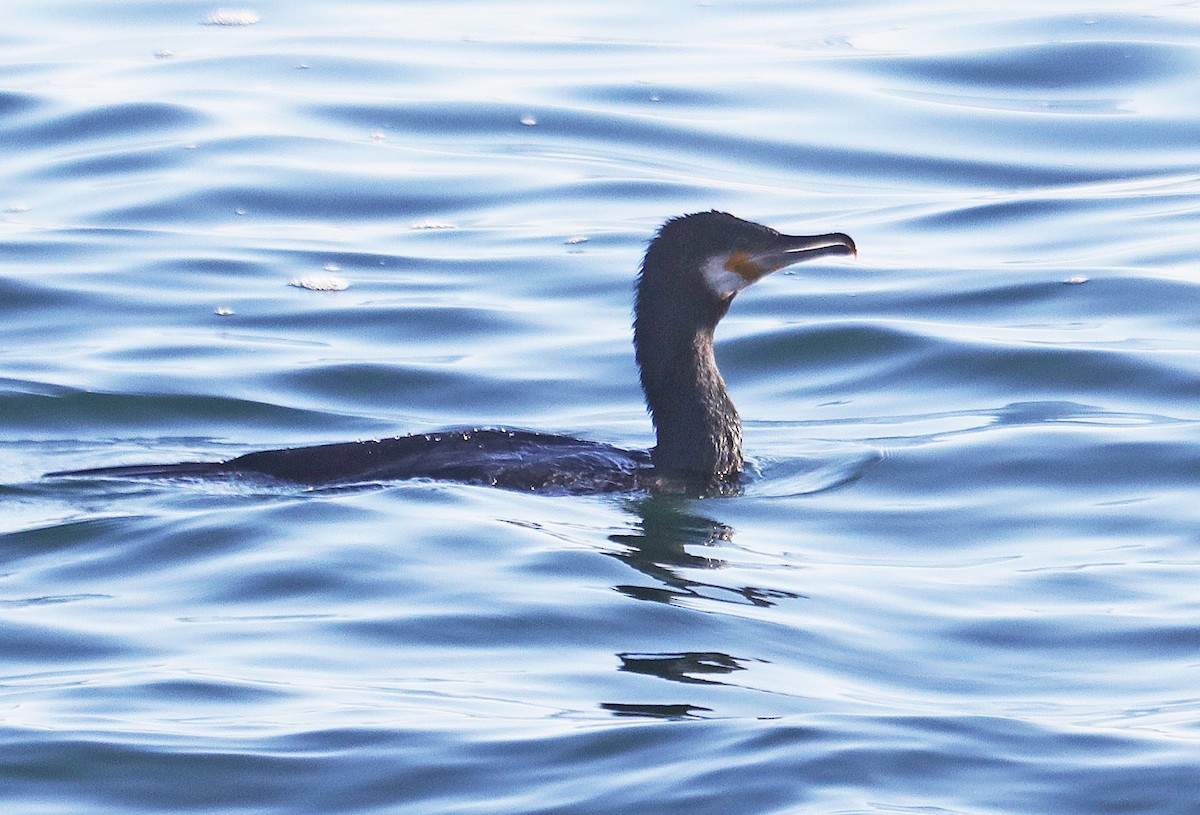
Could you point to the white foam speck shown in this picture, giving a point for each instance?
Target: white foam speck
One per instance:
(429, 223)
(528, 121)
(320, 283)
(1076, 280)
(575, 240)
(223, 311)
(17, 206)
(232, 16)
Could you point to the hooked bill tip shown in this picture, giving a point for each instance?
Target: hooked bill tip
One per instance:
(805, 247)
(823, 243)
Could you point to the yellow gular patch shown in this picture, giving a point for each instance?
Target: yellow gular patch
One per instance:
(741, 264)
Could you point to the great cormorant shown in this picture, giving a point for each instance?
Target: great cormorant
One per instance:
(692, 270)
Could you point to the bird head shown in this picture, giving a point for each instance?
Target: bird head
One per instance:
(708, 257)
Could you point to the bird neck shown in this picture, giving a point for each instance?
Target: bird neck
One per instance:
(699, 431)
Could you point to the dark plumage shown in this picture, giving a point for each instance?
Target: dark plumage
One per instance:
(692, 270)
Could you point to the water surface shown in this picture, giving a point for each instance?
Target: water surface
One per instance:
(961, 578)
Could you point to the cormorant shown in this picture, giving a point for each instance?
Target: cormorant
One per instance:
(692, 270)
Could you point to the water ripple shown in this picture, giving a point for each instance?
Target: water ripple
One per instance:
(140, 121)
(1048, 67)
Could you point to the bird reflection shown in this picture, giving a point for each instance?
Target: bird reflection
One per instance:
(681, 667)
(656, 711)
(669, 540)
(674, 546)
(658, 549)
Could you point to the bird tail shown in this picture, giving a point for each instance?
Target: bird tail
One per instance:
(183, 469)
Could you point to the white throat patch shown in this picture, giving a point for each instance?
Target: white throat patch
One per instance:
(721, 280)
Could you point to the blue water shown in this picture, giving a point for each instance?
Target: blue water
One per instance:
(962, 579)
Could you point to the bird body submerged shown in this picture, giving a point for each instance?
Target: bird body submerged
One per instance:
(691, 272)
(493, 457)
